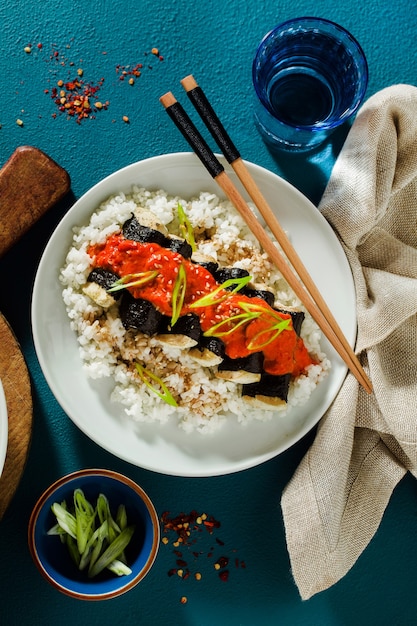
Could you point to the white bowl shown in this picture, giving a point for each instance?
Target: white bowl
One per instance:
(167, 449)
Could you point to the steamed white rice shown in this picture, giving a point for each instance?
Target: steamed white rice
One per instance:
(108, 350)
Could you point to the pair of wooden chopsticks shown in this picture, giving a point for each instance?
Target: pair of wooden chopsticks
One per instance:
(302, 285)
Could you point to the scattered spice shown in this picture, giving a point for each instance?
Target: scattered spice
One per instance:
(182, 532)
(126, 70)
(77, 98)
(184, 600)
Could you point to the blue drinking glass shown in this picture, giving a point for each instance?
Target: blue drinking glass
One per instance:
(310, 76)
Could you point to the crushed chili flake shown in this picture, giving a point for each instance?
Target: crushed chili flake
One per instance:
(222, 562)
(186, 529)
(78, 99)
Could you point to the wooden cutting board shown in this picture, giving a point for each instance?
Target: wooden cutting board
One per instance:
(30, 184)
(16, 384)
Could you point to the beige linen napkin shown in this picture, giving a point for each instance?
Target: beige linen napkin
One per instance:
(365, 444)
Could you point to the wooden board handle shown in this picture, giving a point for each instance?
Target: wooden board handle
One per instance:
(30, 184)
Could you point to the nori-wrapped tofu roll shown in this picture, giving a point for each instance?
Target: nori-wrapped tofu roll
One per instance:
(226, 273)
(176, 244)
(205, 261)
(264, 294)
(243, 370)
(134, 230)
(139, 314)
(209, 352)
(104, 278)
(99, 281)
(297, 318)
(271, 392)
(185, 333)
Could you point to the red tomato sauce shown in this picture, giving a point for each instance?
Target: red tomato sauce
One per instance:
(284, 353)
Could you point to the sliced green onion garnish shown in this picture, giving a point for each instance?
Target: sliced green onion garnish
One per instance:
(121, 517)
(112, 552)
(119, 568)
(185, 227)
(251, 311)
(67, 521)
(255, 344)
(71, 544)
(211, 299)
(149, 378)
(178, 294)
(100, 536)
(84, 515)
(240, 318)
(133, 280)
(95, 540)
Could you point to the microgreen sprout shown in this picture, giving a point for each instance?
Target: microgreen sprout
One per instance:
(185, 227)
(149, 378)
(178, 294)
(211, 299)
(133, 280)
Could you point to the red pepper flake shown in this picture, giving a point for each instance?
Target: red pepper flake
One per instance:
(186, 530)
(222, 562)
(78, 99)
(127, 70)
(224, 575)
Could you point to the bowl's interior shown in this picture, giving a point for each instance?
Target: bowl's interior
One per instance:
(52, 556)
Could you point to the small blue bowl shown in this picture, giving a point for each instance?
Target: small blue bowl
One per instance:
(52, 557)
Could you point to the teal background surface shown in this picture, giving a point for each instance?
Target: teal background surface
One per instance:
(215, 41)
